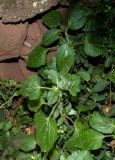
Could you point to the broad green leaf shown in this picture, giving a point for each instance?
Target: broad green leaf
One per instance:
(50, 37)
(72, 141)
(52, 19)
(78, 16)
(100, 86)
(108, 61)
(80, 155)
(53, 76)
(84, 75)
(92, 47)
(31, 88)
(35, 105)
(102, 123)
(65, 58)
(89, 139)
(53, 95)
(37, 57)
(70, 82)
(28, 142)
(63, 157)
(94, 23)
(86, 107)
(46, 131)
(28, 156)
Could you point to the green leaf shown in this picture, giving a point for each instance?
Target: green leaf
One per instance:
(100, 86)
(86, 107)
(84, 75)
(113, 77)
(46, 131)
(65, 58)
(53, 95)
(35, 105)
(80, 155)
(94, 23)
(90, 139)
(37, 57)
(70, 82)
(52, 19)
(78, 16)
(84, 138)
(31, 88)
(53, 76)
(92, 47)
(101, 123)
(72, 141)
(28, 142)
(50, 37)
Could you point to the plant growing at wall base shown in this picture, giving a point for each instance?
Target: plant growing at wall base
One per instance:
(70, 103)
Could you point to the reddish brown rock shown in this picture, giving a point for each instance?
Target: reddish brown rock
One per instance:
(17, 42)
(12, 37)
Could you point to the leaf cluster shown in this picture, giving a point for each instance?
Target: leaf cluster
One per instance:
(71, 101)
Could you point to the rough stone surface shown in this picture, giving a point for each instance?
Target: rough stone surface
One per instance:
(16, 42)
(11, 39)
(20, 10)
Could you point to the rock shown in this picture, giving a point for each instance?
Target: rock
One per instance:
(17, 42)
(11, 39)
(21, 10)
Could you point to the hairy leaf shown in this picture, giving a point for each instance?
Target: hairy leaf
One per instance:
(65, 58)
(37, 57)
(100, 86)
(78, 16)
(80, 155)
(90, 139)
(50, 37)
(52, 19)
(102, 123)
(46, 131)
(53, 95)
(31, 88)
(92, 48)
(28, 142)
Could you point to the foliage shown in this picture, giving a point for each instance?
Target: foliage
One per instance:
(70, 104)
